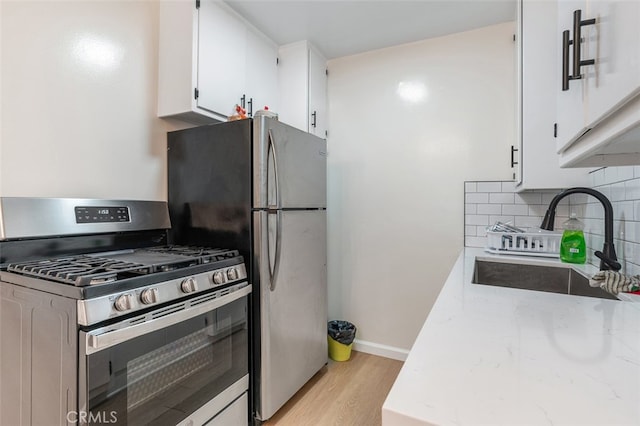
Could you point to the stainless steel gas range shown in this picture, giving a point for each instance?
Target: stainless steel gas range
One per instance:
(102, 322)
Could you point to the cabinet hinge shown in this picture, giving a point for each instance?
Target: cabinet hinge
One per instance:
(555, 130)
(197, 4)
(196, 93)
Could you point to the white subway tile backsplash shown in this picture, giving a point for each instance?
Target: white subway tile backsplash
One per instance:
(610, 175)
(597, 177)
(489, 209)
(528, 198)
(508, 186)
(501, 198)
(481, 231)
(476, 197)
(489, 202)
(617, 192)
(537, 210)
(515, 209)
(476, 219)
(528, 222)
(489, 187)
(504, 219)
(632, 189)
(623, 210)
(594, 211)
(475, 241)
(625, 173)
(628, 231)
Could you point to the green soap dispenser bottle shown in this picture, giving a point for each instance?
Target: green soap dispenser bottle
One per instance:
(573, 248)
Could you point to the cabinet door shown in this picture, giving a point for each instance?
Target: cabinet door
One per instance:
(539, 166)
(261, 72)
(293, 85)
(571, 104)
(317, 94)
(614, 42)
(221, 58)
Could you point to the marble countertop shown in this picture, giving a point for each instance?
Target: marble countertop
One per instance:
(501, 356)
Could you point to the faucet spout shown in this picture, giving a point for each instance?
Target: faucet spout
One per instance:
(608, 258)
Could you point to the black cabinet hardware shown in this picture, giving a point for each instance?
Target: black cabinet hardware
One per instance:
(250, 103)
(513, 151)
(578, 23)
(243, 99)
(314, 116)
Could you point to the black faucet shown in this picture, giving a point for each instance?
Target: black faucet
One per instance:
(608, 259)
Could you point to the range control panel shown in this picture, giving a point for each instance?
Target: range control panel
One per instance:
(102, 214)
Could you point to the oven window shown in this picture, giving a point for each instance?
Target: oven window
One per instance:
(162, 377)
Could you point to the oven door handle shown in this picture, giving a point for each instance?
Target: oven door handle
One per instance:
(103, 338)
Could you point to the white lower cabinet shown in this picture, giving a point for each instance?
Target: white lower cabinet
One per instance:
(211, 59)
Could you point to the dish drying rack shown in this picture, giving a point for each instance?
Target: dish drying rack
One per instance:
(505, 239)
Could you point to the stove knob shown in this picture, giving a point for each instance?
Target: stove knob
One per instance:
(232, 274)
(189, 285)
(218, 278)
(123, 302)
(149, 296)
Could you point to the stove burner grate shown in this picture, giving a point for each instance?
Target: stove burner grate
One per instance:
(89, 269)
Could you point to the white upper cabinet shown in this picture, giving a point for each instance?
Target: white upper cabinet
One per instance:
(302, 82)
(261, 72)
(615, 41)
(222, 47)
(571, 105)
(317, 93)
(211, 59)
(597, 124)
(537, 163)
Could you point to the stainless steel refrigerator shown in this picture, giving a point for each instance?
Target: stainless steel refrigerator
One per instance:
(259, 186)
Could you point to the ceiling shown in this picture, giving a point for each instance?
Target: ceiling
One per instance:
(341, 28)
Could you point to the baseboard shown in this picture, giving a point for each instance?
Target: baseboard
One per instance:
(380, 350)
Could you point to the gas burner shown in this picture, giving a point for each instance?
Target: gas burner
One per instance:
(101, 268)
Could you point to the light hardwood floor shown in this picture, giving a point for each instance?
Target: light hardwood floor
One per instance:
(348, 393)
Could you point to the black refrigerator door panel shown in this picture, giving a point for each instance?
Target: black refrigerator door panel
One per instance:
(209, 186)
(290, 167)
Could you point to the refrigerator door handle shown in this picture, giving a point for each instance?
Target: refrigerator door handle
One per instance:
(272, 147)
(273, 273)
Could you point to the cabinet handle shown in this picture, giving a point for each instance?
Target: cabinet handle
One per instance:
(242, 101)
(250, 107)
(566, 42)
(513, 151)
(578, 23)
(314, 116)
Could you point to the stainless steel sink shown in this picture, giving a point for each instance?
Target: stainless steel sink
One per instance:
(552, 279)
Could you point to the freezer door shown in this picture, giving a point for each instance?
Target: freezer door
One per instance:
(290, 167)
(293, 302)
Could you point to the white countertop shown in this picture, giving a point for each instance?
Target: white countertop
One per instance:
(500, 356)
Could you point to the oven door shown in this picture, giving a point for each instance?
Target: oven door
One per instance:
(181, 363)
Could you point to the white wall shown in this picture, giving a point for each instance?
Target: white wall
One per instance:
(78, 84)
(397, 167)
